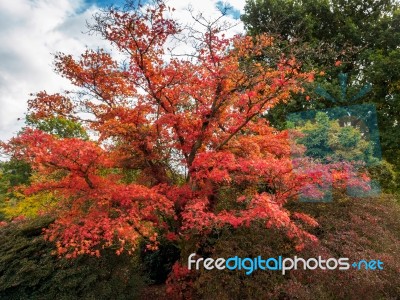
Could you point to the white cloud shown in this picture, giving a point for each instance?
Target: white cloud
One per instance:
(31, 30)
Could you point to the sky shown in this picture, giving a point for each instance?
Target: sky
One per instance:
(31, 31)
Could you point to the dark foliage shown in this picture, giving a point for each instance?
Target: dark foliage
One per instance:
(158, 264)
(349, 227)
(28, 270)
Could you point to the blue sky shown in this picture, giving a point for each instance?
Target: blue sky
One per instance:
(31, 30)
(112, 2)
(234, 12)
(106, 3)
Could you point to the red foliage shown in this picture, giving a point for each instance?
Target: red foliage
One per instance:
(189, 126)
(179, 284)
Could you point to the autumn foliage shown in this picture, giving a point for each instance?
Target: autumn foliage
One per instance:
(178, 141)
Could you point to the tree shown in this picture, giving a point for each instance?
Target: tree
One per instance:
(13, 173)
(358, 37)
(16, 172)
(324, 32)
(326, 140)
(179, 143)
(57, 126)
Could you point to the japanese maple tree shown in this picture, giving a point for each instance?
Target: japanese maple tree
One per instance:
(178, 141)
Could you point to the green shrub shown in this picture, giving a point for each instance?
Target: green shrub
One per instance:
(386, 175)
(28, 270)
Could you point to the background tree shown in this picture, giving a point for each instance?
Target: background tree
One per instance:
(327, 141)
(360, 38)
(13, 173)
